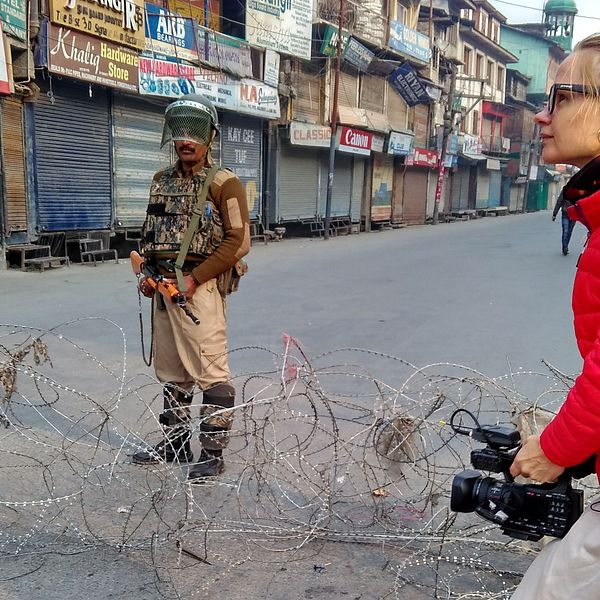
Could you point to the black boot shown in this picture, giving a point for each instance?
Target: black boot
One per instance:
(171, 449)
(211, 464)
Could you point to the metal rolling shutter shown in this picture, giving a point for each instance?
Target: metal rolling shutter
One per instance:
(241, 151)
(341, 197)
(72, 152)
(495, 188)
(483, 189)
(460, 190)
(358, 183)
(298, 182)
(415, 196)
(137, 130)
(308, 80)
(13, 162)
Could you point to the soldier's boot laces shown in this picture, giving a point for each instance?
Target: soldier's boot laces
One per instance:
(211, 464)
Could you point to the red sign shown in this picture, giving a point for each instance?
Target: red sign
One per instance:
(6, 85)
(422, 158)
(355, 141)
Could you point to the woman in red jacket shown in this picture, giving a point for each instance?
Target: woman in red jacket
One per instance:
(570, 133)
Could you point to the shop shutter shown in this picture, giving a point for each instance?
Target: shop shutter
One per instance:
(72, 152)
(307, 79)
(415, 196)
(358, 184)
(137, 127)
(298, 183)
(420, 124)
(341, 197)
(495, 188)
(382, 187)
(483, 189)
(460, 190)
(348, 87)
(241, 151)
(13, 162)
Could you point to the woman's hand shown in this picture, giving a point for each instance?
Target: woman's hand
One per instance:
(531, 462)
(145, 288)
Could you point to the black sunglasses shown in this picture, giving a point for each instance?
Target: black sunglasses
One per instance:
(574, 88)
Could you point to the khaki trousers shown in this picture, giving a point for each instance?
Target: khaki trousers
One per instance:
(567, 569)
(186, 354)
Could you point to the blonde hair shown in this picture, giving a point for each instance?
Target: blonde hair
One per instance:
(586, 60)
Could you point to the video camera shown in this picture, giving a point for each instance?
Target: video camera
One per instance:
(523, 511)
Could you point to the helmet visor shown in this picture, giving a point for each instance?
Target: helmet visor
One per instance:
(187, 123)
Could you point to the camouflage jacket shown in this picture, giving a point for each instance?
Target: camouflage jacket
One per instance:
(223, 235)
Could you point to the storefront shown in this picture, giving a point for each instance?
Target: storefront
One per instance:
(382, 188)
(400, 145)
(13, 164)
(495, 182)
(420, 168)
(137, 130)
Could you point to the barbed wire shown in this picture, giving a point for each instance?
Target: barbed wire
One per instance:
(350, 447)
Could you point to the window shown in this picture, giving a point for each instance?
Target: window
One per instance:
(479, 66)
(500, 82)
(467, 60)
(463, 119)
(475, 129)
(490, 72)
(400, 13)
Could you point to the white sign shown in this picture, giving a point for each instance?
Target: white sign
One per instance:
(6, 85)
(281, 25)
(257, 98)
(400, 143)
(377, 143)
(305, 134)
(471, 144)
(271, 74)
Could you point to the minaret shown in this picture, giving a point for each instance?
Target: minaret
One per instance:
(559, 16)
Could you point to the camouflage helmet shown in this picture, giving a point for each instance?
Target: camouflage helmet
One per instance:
(192, 118)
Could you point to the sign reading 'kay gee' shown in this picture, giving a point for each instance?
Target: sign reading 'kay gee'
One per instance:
(120, 21)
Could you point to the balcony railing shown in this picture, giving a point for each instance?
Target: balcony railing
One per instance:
(362, 19)
(495, 145)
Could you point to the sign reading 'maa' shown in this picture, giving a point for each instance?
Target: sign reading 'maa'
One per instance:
(120, 21)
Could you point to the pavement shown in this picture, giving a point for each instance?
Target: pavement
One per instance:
(491, 295)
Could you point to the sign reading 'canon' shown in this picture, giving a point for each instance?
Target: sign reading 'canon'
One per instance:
(355, 141)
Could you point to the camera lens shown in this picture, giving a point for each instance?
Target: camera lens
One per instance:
(465, 496)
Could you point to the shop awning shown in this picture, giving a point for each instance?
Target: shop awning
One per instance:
(364, 119)
(470, 156)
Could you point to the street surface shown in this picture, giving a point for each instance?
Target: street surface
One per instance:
(491, 294)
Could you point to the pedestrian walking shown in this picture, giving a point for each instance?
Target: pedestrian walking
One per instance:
(570, 133)
(567, 223)
(195, 233)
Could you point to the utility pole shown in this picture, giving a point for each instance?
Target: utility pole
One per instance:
(447, 132)
(334, 120)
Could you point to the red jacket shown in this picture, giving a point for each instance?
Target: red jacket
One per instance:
(574, 434)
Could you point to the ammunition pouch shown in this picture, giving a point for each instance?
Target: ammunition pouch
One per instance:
(229, 281)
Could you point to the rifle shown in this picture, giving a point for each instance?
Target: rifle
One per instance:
(159, 283)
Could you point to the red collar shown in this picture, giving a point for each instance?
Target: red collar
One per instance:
(587, 211)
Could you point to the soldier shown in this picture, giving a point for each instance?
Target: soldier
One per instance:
(196, 231)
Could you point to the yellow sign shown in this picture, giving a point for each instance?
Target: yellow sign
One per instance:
(120, 21)
(195, 10)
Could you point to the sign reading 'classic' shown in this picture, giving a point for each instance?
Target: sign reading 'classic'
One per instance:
(120, 21)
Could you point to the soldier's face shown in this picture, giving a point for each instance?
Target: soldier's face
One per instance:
(190, 153)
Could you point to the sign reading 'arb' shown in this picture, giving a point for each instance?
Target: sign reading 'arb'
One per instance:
(355, 141)
(120, 21)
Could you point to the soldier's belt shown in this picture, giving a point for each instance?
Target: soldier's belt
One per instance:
(167, 267)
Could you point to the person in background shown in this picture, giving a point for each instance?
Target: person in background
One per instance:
(567, 223)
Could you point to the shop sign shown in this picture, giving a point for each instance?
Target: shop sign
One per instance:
(194, 9)
(171, 79)
(471, 144)
(305, 134)
(170, 34)
(6, 82)
(422, 158)
(400, 143)
(271, 73)
(281, 25)
(405, 81)
(224, 53)
(257, 98)
(354, 141)
(90, 59)
(409, 41)
(358, 55)
(13, 17)
(120, 21)
(377, 143)
(330, 41)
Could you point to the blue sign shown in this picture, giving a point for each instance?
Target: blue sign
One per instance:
(406, 82)
(409, 42)
(358, 55)
(169, 34)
